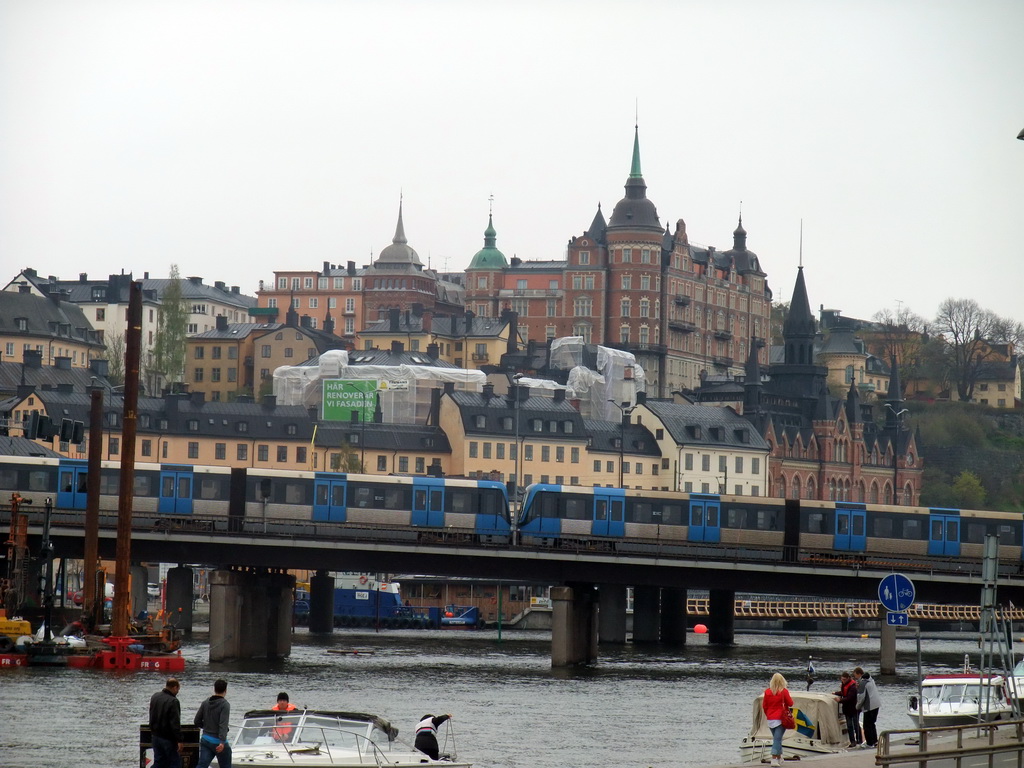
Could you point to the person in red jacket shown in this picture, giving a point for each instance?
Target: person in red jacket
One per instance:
(775, 701)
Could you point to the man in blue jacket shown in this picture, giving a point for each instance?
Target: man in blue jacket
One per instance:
(212, 717)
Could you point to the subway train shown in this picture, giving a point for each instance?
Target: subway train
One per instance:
(765, 528)
(624, 521)
(175, 496)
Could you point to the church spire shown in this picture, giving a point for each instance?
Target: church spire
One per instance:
(798, 331)
(634, 171)
(399, 238)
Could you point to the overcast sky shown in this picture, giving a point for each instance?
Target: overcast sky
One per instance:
(236, 138)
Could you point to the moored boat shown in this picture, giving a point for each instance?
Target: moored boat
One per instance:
(820, 730)
(306, 738)
(960, 699)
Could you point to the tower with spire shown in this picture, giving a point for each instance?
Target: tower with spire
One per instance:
(485, 275)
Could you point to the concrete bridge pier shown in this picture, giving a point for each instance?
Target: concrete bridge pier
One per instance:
(887, 645)
(612, 614)
(250, 614)
(574, 625)
(178, 598)
(722, 610)
(673, 615)
(646, 615)
(321, 603)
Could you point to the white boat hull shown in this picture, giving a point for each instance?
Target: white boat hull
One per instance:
(760, 750)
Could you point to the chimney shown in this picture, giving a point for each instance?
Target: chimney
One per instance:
(641, 398)
(428, 322)
(222, 322)
(469, 323)
(311, 412)
(269, 402)
(197, 398)
(417, 309)
(291, 317)
(559, 395)
(196, 280)
(327, 267)
(449, 387)
(513, 333)
(56, 296)
(65, 387)
(243, 399)
(305, 322)
(434, 417)
(220, 285)
(433, 351)
(62, 363)
(351, 269)
(145, 275)
(488, 391)
(24, 390)
(394, 318)
(234, 289)
(83, 277)
(32, 358)
(99, 366)
(397, 347)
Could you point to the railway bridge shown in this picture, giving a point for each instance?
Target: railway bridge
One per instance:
(251, 593)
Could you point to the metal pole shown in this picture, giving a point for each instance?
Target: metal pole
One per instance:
(47, 572)
(920, 691)
(92, 507)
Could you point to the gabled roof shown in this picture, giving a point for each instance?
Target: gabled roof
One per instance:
(236, 331)
(45, 318)
(604, 437)
(441, 325)
(709, 425)
(382, 437)
(496, 407)
(20, 446)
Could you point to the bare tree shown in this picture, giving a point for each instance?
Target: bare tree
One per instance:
(115, 343)
(900, 335)
(966, 329)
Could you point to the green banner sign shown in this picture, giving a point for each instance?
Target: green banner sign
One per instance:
(342, 397)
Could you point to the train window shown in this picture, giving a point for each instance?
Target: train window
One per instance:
(672, 514)
(490, 502)
(109, 485)
(420, 497)
(767, 519)
(815, 522)
(394, 498)
(576, 509)
(641, 512)
(338, 495)
(294, 493)
(321, 494)
(882, 527)
(1008, 534)
(936, 534)
(38, 480)
(973, 533)
(461, 501)
(361, 496)
(712, 516)
(842, 524)
(548, 504)
(913, 529)
(735, 518)
(616, 510)
(601, 509)
(8, 479)
(858, 525)
(436, 500)
(210, 487)
(143, 485)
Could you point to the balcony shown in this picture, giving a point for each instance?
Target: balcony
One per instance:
(349, 312)
(683, 326)
(530, 293)
(723, 335)
(682, 301)
(480, 357)
(638, 348)
(721, 362)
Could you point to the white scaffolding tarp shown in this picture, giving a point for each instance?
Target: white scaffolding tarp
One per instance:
(601, 392)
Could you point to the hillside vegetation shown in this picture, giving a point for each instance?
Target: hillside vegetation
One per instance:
(973, 455)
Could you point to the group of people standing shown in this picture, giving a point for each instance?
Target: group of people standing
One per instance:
(857, 693)
(212, 718)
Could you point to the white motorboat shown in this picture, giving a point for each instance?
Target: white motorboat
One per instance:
(960, 699)
(306, 738)
(820, 730)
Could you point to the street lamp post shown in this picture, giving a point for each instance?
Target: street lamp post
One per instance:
(626, 409)
(516, 405)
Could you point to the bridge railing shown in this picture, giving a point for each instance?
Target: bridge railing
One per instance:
(971, 743)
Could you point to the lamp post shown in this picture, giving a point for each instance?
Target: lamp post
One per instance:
(626, 409)
(895, 449)
(516, 405)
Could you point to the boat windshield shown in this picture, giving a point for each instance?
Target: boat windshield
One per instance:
(1019, 669)
(965, 693)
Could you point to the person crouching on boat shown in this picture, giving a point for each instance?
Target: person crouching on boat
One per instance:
(283, 732)
(776, 699)
(426, 735)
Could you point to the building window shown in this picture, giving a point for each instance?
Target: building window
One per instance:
(307, 283)
(382, 463)
(420, 465)
(755, 466)
(282, 283)
(723, 463)
(627, 255)
(597, 465)
(474, 449)
(527, 452)
(263, 453)
(574, 455)
(559, 453)
(624, 307)
(147, 447)
(314, 302)
(705, 463)
(215, 374)
(215, 353)
(487, 450)
(193, 425)
(193, 449)
(583, 306)
(197, 374)
(265, 350)
(220, 451)
(545, 453)
(282, 453)
(739, 465)
(232, 374)
(242, 452)
(288, 352)
(584, 257)
(549, 332)
(403, 464)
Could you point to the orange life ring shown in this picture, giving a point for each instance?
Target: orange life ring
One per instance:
(362, 579)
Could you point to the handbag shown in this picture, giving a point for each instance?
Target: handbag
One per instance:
(788, 721)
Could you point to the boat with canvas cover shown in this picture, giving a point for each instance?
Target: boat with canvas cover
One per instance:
(308, 738)
(820, 730)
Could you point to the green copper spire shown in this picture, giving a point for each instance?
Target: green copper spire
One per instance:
(634, 171)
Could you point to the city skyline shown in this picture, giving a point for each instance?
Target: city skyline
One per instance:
(236, 139)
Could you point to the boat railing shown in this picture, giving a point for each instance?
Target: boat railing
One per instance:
(333, 743)
(956, 742)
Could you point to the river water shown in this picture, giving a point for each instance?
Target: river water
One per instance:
(644, 707)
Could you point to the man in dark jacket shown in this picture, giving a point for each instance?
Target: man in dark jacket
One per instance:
(212, 717)
(165, 725)
(847, 698)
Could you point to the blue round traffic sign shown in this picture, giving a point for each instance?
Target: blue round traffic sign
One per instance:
(896, 592)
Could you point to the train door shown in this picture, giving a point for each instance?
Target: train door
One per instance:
(705, 519)
(72, 476)
(329, 498)
(428, 502)
(944, 532)
(851, 532)
(609, 512)
(175, 490)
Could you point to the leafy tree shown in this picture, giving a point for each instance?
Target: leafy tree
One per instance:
(346, 459)
(968, 492)
(169, 342)
(780, 310)
(116, 348)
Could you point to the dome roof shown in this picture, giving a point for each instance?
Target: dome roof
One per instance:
(399, 251)
(489, 257)
(635, 211)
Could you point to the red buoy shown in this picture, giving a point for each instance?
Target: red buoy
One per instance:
(700, 629)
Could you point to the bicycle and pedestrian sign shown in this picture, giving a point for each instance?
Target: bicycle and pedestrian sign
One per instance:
(896, 594)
